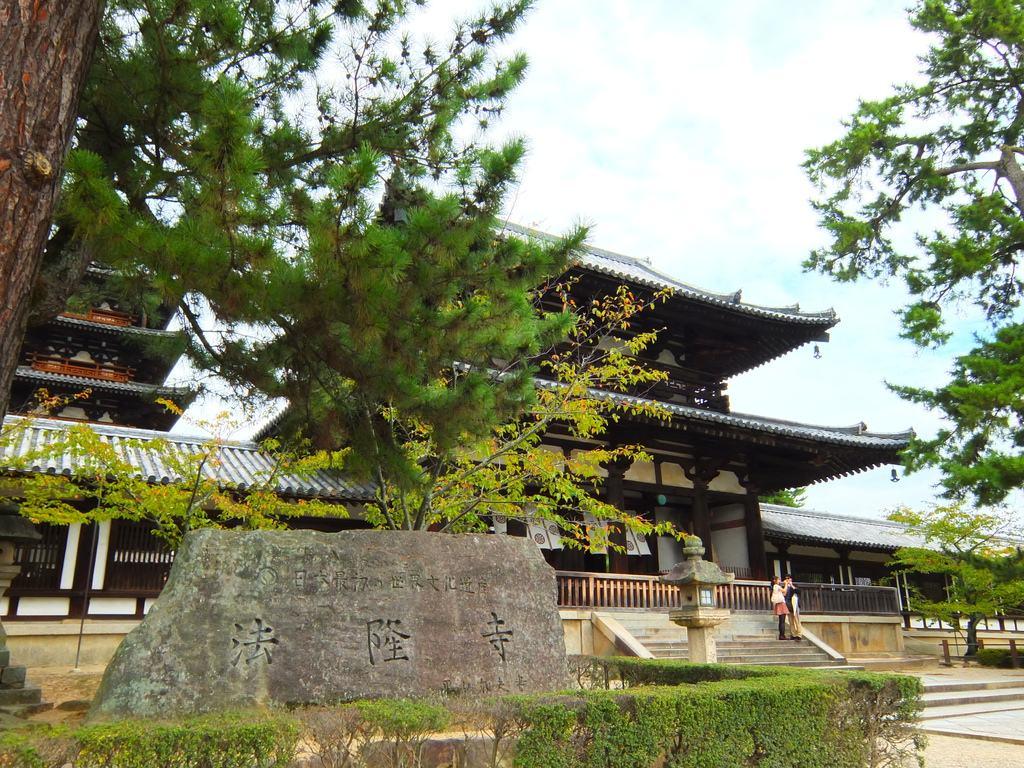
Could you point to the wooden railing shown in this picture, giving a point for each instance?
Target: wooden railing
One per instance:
(577, 589)
(106, 316)
(68, 367)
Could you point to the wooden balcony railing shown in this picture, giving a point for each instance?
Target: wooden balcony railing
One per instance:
(68, 367)
(107, 316)
(577, 589)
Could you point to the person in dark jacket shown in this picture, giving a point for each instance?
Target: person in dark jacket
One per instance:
(792, 598)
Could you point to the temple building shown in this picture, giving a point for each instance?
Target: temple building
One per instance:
(710, 465)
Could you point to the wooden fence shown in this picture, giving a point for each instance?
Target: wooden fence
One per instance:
(577, 589)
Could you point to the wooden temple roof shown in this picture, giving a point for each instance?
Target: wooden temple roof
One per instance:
(723, 335)
(183, 394)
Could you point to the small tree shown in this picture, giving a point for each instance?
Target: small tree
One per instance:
(101, 483)
(982, 572)
(788, 497)
(510, 472)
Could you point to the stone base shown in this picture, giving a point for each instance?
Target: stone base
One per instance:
(27, 695)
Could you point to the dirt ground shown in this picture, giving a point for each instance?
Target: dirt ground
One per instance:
(69, 691)
(953, 752)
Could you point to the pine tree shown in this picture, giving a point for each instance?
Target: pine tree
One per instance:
(310, 184)
(951, 143)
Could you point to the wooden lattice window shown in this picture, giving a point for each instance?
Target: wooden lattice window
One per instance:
(41, 561)
(137, 561)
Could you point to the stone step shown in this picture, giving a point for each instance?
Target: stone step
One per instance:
(980, 708)
(972, 685)
(983, 696)
(769, 659)
(13, 697)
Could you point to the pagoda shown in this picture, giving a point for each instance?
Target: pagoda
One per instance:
(105, 360)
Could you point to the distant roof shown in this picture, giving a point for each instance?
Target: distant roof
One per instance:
(241, 465)
(641, 271)
(810, 526)
(136, 387)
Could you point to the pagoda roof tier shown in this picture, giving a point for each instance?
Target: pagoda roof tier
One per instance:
(128, 387)
(100, 327)
(239, 465)
(734, 336)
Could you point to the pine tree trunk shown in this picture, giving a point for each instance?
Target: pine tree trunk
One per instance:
(45, 50)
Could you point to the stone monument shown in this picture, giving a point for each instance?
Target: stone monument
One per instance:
(16, 696)
(302, 617)
(698, 582)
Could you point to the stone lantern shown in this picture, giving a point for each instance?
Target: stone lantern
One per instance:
(14, 529)
(698, 582)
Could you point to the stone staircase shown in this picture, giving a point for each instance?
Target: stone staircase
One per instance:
(17, 697)
(970, 697)
(749, 640)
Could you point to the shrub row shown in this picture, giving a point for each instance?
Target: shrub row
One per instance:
(995, 657)
(641, 714)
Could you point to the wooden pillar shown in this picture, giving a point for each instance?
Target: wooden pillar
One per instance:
(618, 561)
(701, 472)
(702, 516)
(845, 576)
(755, 536)
(784, 565)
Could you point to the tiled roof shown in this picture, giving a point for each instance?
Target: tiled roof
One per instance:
(240, 465)
(640, 271)
(856, 436)
(77, 322)
(805, 525)
(136, 387)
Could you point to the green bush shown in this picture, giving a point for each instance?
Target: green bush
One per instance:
(245, 740)
(642, 714)
(995, 657)
(625, 672)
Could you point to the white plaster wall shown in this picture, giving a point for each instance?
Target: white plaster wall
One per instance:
(672, 474)
(641, 472)
(44, 606)
(726, 482)
(116, 606)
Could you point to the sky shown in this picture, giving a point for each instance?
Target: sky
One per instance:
(676, 130)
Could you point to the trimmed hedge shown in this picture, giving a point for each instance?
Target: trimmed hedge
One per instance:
(225, 740)
(995, 657)
(640, 714)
